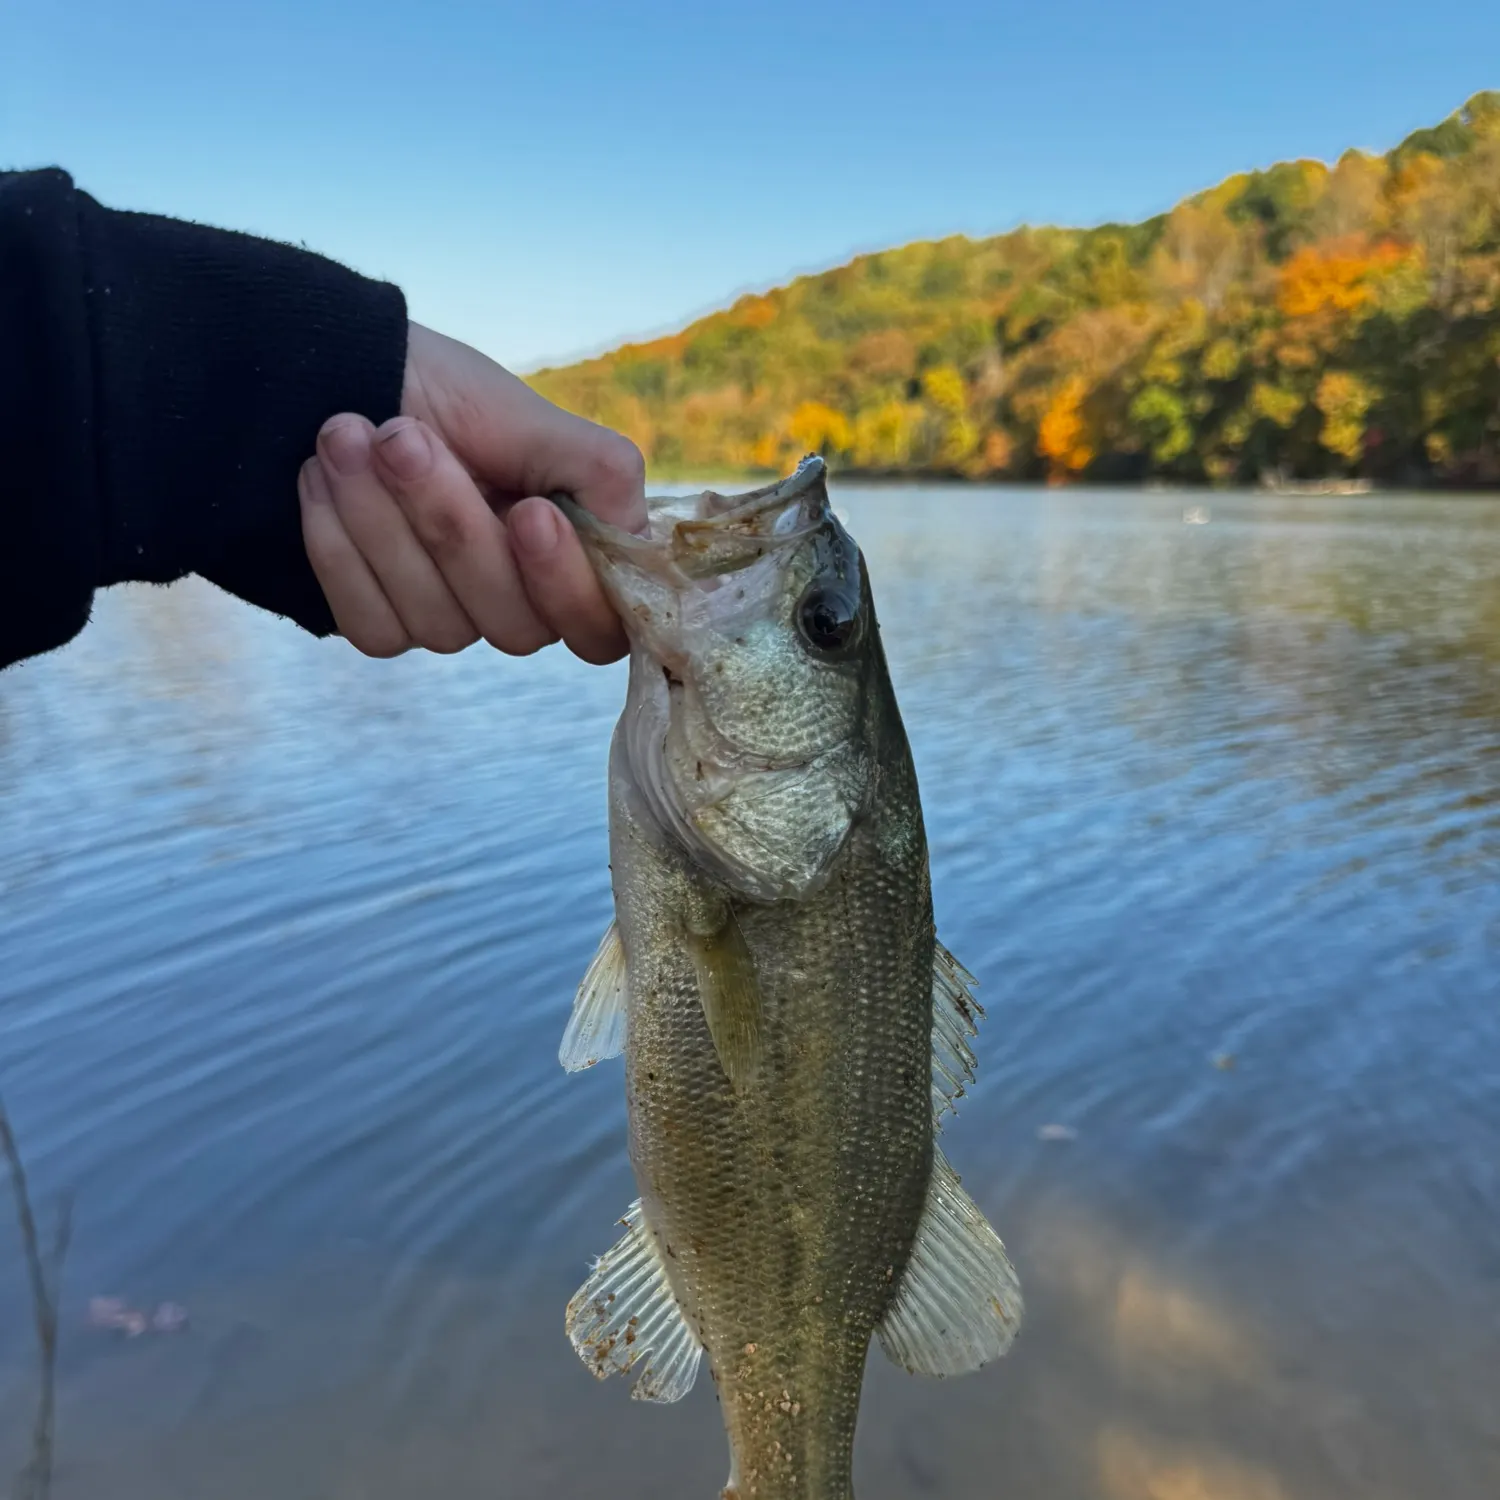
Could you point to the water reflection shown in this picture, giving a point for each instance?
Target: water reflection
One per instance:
(290, 936)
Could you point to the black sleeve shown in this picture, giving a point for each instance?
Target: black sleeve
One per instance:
(160, 385)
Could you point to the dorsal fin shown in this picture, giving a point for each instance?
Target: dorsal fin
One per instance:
(956, 1015)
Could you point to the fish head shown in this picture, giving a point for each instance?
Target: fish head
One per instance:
(754, 648)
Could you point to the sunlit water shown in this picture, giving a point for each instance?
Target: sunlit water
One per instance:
(289, 939)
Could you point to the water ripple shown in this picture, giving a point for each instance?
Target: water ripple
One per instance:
(290, 937)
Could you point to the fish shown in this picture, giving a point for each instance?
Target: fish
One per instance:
(792, 1030)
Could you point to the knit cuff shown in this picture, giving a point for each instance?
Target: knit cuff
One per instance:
(217, 357)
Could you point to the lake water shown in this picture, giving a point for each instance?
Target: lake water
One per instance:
(290, 936)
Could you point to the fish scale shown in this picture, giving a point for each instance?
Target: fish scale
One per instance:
(773, 977)
(782, 1210)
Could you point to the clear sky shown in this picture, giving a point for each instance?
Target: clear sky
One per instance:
(549, 177)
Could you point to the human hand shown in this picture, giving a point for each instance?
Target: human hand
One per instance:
(433, 530)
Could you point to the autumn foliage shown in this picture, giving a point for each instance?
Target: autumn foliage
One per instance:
(1302, 321)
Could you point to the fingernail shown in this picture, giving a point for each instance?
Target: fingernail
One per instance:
(533, 524)
(404, 450)
(346, 446)
(314, 482)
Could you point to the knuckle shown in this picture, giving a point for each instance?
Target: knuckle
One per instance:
(335, 562)
(381, 642)
(590, 654)
(598, 653)
(448, 637)
(322, 553)
(524, 640)
(617, 460)
(361, 512)
(451, 645)
(442, 522)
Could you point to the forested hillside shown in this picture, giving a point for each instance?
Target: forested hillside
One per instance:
(1306, 321)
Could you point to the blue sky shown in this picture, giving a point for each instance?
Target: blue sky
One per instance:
(549, 178)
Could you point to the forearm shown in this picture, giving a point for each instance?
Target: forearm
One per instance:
(160, 385)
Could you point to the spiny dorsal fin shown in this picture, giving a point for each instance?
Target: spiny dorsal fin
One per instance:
(956, 1015)
(624, 1317)
(730, 996)
(596, 1029)
(959, 1303)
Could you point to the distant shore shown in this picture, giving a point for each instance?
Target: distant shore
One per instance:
(1328, 326)
(1325, 488)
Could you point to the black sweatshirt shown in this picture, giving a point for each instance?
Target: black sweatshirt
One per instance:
(160, 385)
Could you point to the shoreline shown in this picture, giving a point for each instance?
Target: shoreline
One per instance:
(1324, 489)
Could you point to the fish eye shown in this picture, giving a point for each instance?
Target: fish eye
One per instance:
(828, 619)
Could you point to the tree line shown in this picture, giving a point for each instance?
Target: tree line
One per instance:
(1301, 322)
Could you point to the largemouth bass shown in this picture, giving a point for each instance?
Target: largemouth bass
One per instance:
(793, 1032)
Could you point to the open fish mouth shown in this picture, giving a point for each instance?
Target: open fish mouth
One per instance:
(696, 539)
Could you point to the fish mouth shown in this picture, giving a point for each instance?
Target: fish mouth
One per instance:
(698, 539)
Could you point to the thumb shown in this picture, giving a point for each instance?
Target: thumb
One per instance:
(515, 441)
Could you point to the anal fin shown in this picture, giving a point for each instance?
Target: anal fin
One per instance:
(625, 1317)
(596, 1029)
(959, 1304)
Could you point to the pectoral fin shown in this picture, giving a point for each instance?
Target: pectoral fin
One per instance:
(596, 1029)
(730, 997)
(624, 1317)
(959, 1303)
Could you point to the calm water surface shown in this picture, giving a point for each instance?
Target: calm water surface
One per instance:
(289, 938)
